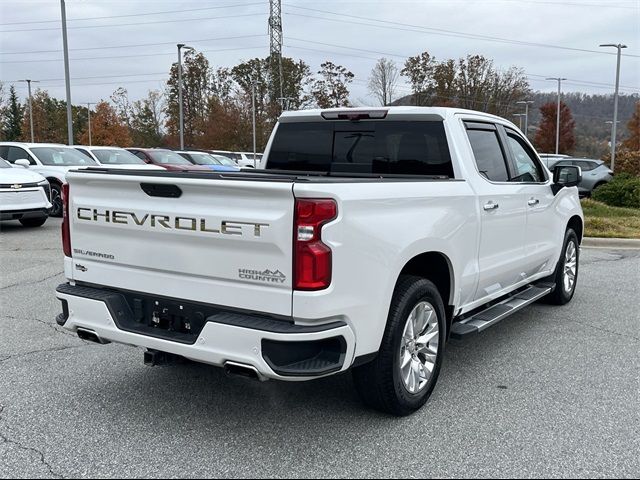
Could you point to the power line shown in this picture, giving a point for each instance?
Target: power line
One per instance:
(574, 81)
(572, 4)
(434, 31)
(135, 45)
(136, 24)
(134, 14)
(166, 54)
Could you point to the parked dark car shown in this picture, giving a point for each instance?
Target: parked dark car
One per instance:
(165, 158)
(208, 160)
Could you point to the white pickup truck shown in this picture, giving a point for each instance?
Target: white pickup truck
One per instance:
(365, 241)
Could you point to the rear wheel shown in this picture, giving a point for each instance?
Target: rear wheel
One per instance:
(56, 200)
(403, 375)
(33, 222)
(596, 186)
(565, 277)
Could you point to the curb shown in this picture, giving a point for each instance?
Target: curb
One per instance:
(627, 243)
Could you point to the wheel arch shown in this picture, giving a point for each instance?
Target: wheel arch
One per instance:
(436, 267)
(577, 225)
(51, 179)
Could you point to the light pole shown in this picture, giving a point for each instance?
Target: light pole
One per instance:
(253, 114)
(180, 114)
(559, 80)
(526, 104)
(30, 106)
(519, 115)
(89, 119)
(614, 125)
(67, 80)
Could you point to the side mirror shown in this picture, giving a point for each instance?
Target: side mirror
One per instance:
(566, 176)
(23, 162)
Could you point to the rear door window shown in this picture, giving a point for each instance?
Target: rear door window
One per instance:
(382, 147)
(488, 153)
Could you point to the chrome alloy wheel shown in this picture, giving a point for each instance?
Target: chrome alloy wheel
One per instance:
(570, 267)
(419, 347)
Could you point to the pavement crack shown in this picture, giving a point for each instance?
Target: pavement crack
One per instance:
(5, 439)
(44, 322)
(623, 335)
(34, 352)
(35, 282)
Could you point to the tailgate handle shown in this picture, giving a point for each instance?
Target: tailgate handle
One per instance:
(161, 190)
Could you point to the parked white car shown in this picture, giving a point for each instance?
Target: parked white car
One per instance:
(246, 160)
(24, 195)
(115, 157)
(51, 160)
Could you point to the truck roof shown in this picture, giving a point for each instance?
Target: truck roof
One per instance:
(399, 113)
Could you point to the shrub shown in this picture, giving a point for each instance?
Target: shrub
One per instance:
(627, 161)
(622, 191)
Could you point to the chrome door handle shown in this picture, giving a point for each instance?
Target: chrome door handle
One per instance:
(491, 206)
(533, 202)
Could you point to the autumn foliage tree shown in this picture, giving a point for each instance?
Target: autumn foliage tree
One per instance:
(471, 82)
(107, 128)
(632, 142)
(332, 88)
(545, 140)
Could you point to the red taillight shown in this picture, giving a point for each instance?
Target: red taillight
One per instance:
(311, 257)
(66, 234)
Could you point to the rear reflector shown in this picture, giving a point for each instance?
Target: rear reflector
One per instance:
(354, 115)
(66, 231)
(311, 257)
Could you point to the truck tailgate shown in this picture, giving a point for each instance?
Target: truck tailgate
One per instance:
(219, 241)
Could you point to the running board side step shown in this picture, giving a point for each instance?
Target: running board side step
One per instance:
(488, 317)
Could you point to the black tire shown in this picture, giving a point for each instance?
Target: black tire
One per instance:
(33, 222)
(56, 200)
(596, 186)
(561, 295)
(379, 383)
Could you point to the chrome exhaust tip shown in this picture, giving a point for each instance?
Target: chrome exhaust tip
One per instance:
(90, 336)
(233, 369)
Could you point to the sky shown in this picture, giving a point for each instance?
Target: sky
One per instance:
(134, 46)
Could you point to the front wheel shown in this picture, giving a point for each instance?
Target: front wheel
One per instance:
(33, 222)
(56, 200)
(565, 277)
(403, 375)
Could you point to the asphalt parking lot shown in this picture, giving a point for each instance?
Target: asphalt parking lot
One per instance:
(552, 391)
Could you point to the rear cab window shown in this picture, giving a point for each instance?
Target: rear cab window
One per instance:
(362, 147)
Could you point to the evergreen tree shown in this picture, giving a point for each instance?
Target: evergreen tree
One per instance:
(12, 125)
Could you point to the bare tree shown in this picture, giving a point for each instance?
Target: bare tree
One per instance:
(383, 81)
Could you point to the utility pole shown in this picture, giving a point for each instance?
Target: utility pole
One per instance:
(253, 114)
(180, 113)
(30, 106)
(559, 80)
(89, 119)
(67, 80)
(614, 125)
(284, 102)
(275, 49)
(526, 104)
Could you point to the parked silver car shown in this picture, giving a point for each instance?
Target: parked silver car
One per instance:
(595, 173)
